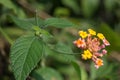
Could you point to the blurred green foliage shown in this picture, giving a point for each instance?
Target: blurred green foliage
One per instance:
(101, 15)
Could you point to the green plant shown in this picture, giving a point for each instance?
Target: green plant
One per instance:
(30, 49)
(51, 39)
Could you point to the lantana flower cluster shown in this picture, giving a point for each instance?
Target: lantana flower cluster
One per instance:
(93, 45)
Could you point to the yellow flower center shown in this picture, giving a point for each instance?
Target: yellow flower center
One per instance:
(101, 36)
(83, 34)
(92, 32)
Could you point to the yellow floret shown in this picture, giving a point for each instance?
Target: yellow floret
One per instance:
(92, 32)
(87, 55)
(101, 36)
(83, 34)
(84, 56)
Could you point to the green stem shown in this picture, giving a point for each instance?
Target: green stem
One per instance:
(6, 36)
(66, 53)
(36, 19)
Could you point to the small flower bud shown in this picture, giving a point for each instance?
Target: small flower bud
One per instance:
(104, 51)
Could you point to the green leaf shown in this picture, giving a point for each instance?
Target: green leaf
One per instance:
(89, 7)
(22, 23)
(64, 51)
(48, 74)
(26, 52)
(63, 48)
(46, 36)
(80, 71)
(35, 75)
(61, 52)
(77, 68)
(8, 4)
(72, 4)
(59, 23)
(20, 13)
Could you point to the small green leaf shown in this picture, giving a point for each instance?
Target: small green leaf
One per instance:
(80, 71)
(59, 23)
(61, 47)
(46, 36)
(8, 4)
(22, 23)
(64, 51)
(26, 52)
(61, 52)
(77, 68)
(48, 74)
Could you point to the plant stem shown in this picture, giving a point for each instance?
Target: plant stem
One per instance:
(36, 17)
(66, 53)
(6, 36)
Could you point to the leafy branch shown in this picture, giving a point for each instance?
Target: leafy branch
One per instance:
(29, 49)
